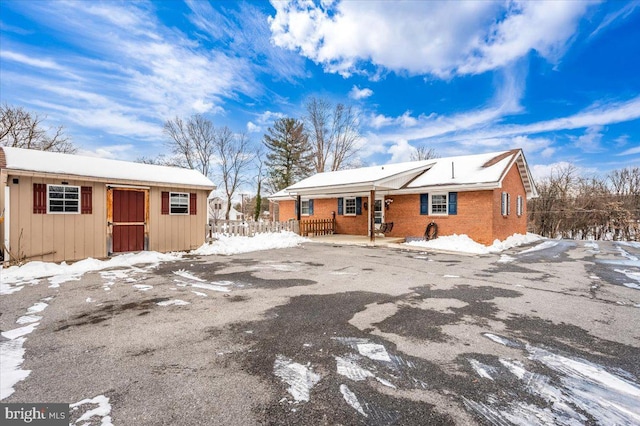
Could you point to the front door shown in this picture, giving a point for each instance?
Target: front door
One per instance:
(128, 220)
(378, 212)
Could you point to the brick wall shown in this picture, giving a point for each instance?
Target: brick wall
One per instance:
(505, 226)
(479, 214)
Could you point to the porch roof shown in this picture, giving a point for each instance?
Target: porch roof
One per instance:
(460, 173)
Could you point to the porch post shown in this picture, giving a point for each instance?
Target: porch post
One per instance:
(299, 203)
(372, 215)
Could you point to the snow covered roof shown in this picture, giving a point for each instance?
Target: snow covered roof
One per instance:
(100, 168)
(468, 172)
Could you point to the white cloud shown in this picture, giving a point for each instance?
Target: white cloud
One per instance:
(541, 172)
(110, 151)
(357, 93)
(612, 17)
(400, 151)
(631, 151)
(146, 73)
(591, 140)
(264, 120)
(437, 38)
(31, 61)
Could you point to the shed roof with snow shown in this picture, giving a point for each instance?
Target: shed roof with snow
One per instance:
(468, 172)
(30, 160)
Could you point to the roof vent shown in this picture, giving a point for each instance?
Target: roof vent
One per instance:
(453, 171)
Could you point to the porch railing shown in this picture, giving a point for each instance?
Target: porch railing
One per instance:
(317, 227)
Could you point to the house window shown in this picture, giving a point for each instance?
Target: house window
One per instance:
(505, 204)
(349, 206)
(439, 204)
(304, 207)
(179, 203)
(63, 199)
(519, 205)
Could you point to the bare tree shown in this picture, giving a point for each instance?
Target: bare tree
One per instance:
(23, 129)
(422, 152)
(259, 179)
(333, 133)
(192, 142)
(234, 155)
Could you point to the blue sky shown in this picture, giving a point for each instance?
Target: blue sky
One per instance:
(559, 79)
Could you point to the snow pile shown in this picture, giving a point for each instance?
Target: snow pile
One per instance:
(37, 269)
(300, 378)
(462, 243)
(102, 411)
(226, 245)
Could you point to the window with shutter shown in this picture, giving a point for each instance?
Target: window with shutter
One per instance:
(193, 201)
(86, 199)
(39, 198)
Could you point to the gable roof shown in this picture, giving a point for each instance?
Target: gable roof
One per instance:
(468, 172)
(98, 168)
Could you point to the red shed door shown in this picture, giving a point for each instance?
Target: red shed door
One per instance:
(128, 220)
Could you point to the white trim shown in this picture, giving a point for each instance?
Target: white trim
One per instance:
(446, 204)
(344, 206)
(188, 203)
(64, 186)
(7, 222)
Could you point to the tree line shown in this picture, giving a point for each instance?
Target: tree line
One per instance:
(578, 207)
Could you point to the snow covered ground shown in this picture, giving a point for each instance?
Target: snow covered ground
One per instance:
(464, 244)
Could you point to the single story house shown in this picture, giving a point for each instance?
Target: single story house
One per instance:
(483, 196)
(61, 207)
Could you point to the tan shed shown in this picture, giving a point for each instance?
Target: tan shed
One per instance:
(61, 207)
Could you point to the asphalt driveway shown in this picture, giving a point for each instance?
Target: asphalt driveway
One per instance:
(328, 334)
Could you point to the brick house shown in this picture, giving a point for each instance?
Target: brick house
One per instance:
(56, 207)
(483, 196)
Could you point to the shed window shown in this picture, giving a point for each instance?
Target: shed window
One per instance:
(63, 199)
(439, 204)
(505, 204)
(349, 206)
(179, 203)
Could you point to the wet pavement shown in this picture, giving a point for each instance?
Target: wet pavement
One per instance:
(330, 334)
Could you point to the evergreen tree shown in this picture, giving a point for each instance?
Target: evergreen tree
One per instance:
(289, 153)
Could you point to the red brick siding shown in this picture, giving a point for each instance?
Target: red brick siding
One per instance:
(479, 214)
(505, 226)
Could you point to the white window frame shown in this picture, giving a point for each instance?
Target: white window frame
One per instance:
(519, 205)
(177, 205)
(446, 204)
(304, 203)
(49, 199)
(505, 204)
(354, 206)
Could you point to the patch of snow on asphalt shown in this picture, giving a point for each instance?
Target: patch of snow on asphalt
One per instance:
(215, 286)
(14, 277)
(173, 302)
(481, 369)
(505, 258)
(352, 399)
(349, 367)
(462, 243)
(28, 319)
(142, 287)
(199, 293)
(226, 245)
(300, 378)
(12, 350)
(188, 275)
(374, 351)
(542, 246)
(102, 411)
(12, 355)
(608, 397)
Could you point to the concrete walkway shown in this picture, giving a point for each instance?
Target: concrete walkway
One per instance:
(356, 240)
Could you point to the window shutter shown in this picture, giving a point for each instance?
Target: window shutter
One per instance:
(508, 204)
(424, 204)
(39, 198)
(296, 209)
(86, 199)
(453, 203)
(503, 204)
(358, 205)
(165, 202)
(193, 203)
(310, 207)
(340, 205)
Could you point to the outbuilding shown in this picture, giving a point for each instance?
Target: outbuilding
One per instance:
(63, 207)
(483, 196)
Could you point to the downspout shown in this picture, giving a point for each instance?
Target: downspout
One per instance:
(7, 222)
